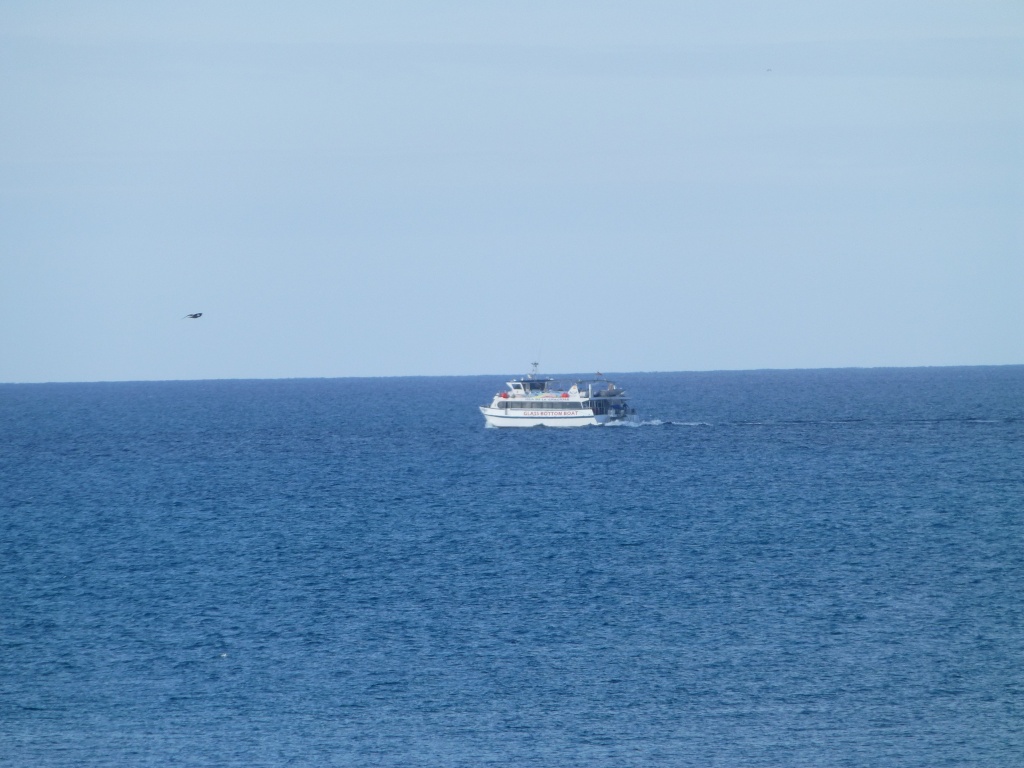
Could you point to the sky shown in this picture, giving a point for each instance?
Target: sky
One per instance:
(455, 187)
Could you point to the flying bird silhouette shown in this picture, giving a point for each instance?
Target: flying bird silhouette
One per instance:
(194, 316)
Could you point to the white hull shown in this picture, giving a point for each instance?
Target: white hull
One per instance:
(498, 418)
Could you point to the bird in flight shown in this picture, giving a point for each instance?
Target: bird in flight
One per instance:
(194, 316)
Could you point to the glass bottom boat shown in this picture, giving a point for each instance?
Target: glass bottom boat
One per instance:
(542, 402)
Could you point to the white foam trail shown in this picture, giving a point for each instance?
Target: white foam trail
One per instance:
(657, 423)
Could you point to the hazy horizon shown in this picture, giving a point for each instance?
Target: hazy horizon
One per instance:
(518, 374)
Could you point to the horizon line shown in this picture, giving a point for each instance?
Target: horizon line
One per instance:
(483, 375)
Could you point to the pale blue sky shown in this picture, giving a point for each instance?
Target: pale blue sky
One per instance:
(399, 188)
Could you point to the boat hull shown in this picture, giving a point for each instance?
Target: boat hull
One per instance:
(496, 417)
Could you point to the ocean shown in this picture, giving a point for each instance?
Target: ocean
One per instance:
(773, 568)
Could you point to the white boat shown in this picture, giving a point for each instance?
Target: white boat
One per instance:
(533, 401)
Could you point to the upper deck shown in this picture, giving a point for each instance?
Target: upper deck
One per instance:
(532, 388)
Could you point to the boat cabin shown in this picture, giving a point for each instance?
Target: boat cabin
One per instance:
(530, 386)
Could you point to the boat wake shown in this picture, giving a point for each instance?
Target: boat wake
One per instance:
(657, 423)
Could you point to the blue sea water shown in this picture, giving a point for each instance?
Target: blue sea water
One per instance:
(775, 568)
